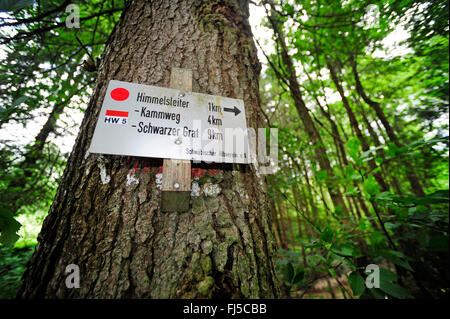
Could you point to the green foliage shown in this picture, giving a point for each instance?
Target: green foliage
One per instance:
(8, 228)
(371, 187)
(292, 273)
(356, 283)
(292, 276)
(406, 135)
(12, 266)
(346, 250)
(27, 192)
(41, 79)
(397, 228)
(387, 285)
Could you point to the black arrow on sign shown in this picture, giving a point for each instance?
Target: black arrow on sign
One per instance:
(235, 110)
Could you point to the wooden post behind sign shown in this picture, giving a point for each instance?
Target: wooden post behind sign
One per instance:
(176, 181)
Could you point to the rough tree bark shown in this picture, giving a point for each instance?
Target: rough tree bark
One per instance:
(106, 216)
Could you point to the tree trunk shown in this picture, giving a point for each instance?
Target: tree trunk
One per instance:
(106, 216)
(380, 153)
(300, 206)
(277, 231)
(284, 226)
(339, 143)
(303, 112)
(354, 124)
(411, 175)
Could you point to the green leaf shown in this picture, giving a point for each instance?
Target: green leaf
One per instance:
(387, 275)
(366, 154)
(402, 263)
(8, 228)
(349, 171)
(357, 283)
(396, 257)
(387, 279)
(389, 253)
(314, 260)
(391, 225)
(370, 186)
(322, 175)
(440, 196)
(349, 263)
(289, 9)
(19, 100)
(353, 144)
(332, 272)
(346, 250)
(377, 293)
(327, 234)
(394, 290)
(352, 191)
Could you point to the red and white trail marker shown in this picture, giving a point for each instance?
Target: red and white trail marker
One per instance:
(116, 117)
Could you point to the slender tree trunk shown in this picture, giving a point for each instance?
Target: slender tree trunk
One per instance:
(376, 141)
(283, 225)
(339, 144)
(115, 231)
(300, 233)
(308, 214)
(277, 229)
(354, 124)
(299, 223)
(303, 112)
(314, 210)
(291, 234)
(411, 175)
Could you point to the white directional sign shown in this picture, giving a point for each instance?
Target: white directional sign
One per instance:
(150, 121)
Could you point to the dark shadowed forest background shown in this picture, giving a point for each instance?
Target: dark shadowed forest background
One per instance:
(359, 93)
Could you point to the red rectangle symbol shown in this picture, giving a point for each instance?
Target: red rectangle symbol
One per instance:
(116, 113)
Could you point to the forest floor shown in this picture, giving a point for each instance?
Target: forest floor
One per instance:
(13, 262)
(331, 288)
(327, 288)
(12, 267)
